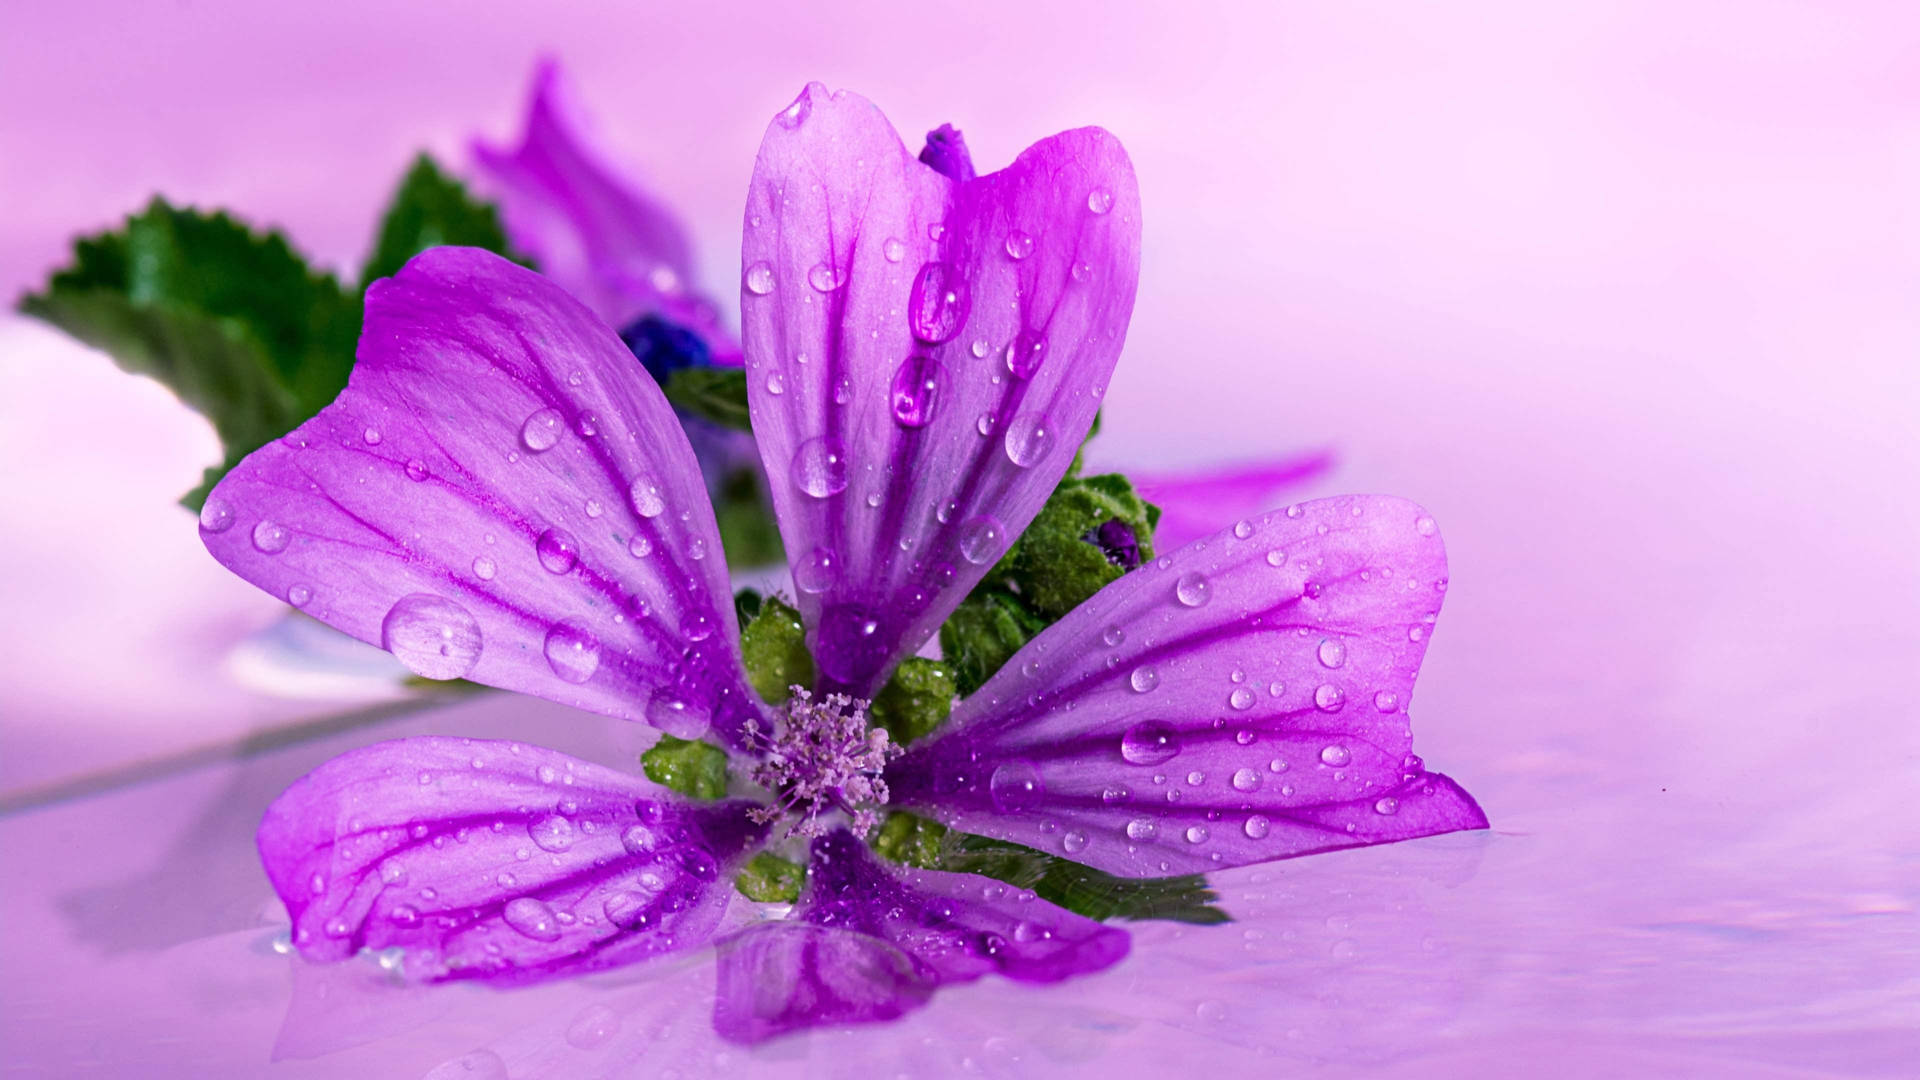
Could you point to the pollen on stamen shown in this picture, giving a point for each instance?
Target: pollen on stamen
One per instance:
(823, 756)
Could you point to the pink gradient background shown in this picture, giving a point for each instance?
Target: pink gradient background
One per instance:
(1627, 294)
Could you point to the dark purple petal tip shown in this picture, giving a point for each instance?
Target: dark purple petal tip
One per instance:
(1242, 699)
(496, 860)
(946, 153)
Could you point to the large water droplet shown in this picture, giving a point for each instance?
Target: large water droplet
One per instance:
(916, 390)
(532, 918)
(1246, 780)
(776, 383)
(1335, 755)
(759, 278)
(552, 833)
(1197, 834)
(1099, 200)
(1113, 635)
(1144, 678)
(1150, 742)
(1142, 829)
(1019, 245)
(820, 467)
(483, 568)
(1193, 589)
(893, 250)
(573, 652)
(1257, 826)
(677, 717)
(433, 636)
(1016, 786)
(1386, 701)
(645, 496)
(981, 540)
(937, 307)
(1332, 653)
(542, 430)
(299, 595)
(216, 516)
(1241, 698)
(1328, 698)
(1026, 353)
(271, 539)
(818, 571)
(824, 278)
(1387, 805)
(417, 470)
(1029, 438)
(1074, 842)
(559, 552)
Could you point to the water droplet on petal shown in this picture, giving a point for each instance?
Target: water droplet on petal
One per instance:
(1257, 826)
(1332, 653)
(1144, 678)
(1197, 834)
(1335, 755)
(542, 430)
(271, 539)
(818, 571)
(985, 424)
(981, 540)
(1099, 200)
(981, 347)
(572, 651)
(1019, 245)
(1193, 589)
(894, 250)
(434, 637)
(824, 278)
(776, 383)
(1074, 842)
(820, 467)
(759, 279)
(216, 516)
(371, 436)
(552, 833)
(1142, 829)
(639, 547)
(1425, 526)
(417, 470)
(938, 304)
(559, 552)
(916, 390)
(1113, 635)
(1026, 353)
(1241, 698)
(1328, 698)
(532, 918)
(1016, 786)
(1149, 742)
(1388, 805)
(1028, 439)
(677, 717)
(299, 595)
(593, 1028)
(1246, 780)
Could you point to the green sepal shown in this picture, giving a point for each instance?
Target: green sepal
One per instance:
(1054, 567)
(773, 648)
(769, 879)
(915, 700)
(695, 769)
(430, 209)
(748, 531)
(718, 394)
(910, 840)
(233, 321)
(983, 633)
(1082, 889)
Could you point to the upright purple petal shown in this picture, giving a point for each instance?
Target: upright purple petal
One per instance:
(500, 494)
(893, 935)
(924, 358)
(497, 860)
(1240, 700)
(1194, 503)
(621, 251)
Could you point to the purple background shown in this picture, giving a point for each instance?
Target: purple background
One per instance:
(1624, 293)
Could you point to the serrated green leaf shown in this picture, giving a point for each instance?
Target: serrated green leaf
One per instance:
(769, 879)
(718, 394)
(430, 209)
(1082, 889)
(697, 770)
(231, 320)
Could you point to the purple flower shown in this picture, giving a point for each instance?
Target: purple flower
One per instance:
(501, 495)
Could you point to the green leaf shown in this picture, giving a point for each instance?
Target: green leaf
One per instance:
(718, 394)
(910, 839)
(430, 209)
(697, 770)
(748, 531)
(231, 320)
(983, 633)
(1082, 889)
(773, 648)
(770, 879)
(915, 700)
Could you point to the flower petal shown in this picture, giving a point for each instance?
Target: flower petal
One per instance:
(500, 494)
(785, 976)
(924, 358)
(1194, 503)
(616, 248)
(1240, 700)
(496, 860)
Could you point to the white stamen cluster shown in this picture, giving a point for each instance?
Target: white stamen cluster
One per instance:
(822, 757)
